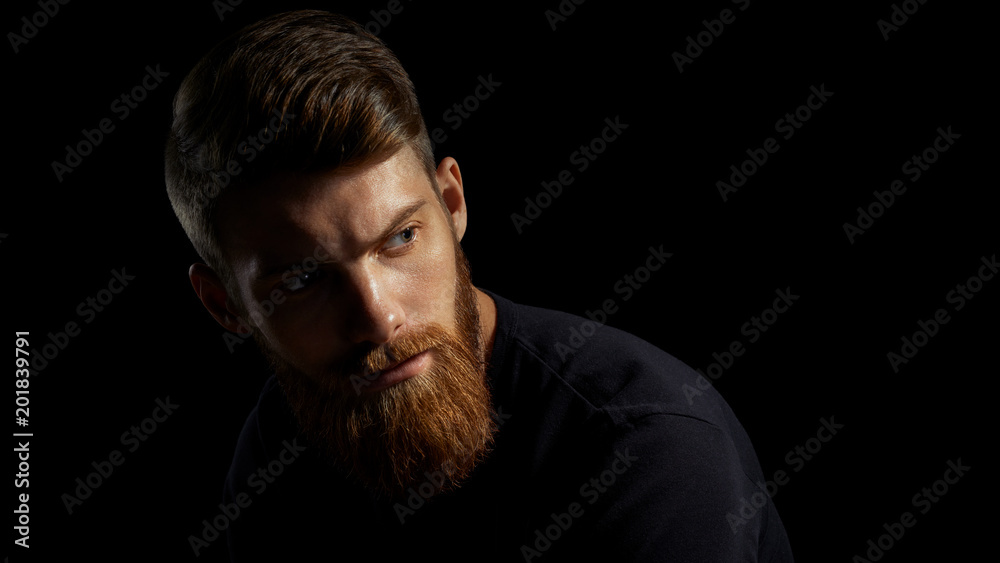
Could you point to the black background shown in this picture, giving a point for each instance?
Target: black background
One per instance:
(655, 185)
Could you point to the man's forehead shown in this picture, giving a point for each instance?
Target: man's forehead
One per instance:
(295, 216)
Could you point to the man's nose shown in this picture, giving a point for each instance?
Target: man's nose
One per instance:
(376, 313)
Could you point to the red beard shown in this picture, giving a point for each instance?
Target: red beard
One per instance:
(437, 421)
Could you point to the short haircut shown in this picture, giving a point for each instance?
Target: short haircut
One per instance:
(340, 95)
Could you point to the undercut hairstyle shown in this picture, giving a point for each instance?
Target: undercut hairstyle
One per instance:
(300, 91)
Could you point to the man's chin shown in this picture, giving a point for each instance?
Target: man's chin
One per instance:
(429, 414)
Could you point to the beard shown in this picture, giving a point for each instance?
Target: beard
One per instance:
(434, 427)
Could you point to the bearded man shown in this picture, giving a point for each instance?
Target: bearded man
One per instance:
(411, 413)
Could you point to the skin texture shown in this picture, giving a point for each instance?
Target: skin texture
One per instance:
(371, 322)
(365, 291)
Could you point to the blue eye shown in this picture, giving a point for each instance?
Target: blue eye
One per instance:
(405, 236)
(300, 280)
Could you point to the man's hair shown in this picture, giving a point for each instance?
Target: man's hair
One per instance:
(341, 97)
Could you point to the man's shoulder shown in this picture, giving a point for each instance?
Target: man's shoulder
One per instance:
(268, 434)
(588, 399)
(611, 369)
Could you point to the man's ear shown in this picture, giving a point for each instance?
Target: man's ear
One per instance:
(214, 297)
(449, 179)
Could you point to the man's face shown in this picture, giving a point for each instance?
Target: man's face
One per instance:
(372, 323)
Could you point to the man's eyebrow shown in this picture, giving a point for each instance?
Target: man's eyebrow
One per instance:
(397, 221)
(401, 217)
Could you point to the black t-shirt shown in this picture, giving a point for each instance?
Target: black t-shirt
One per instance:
(604, 453)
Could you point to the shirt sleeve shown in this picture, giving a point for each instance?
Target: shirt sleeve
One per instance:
(674, 488)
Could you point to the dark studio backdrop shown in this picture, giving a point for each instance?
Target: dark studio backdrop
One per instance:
(872, 334)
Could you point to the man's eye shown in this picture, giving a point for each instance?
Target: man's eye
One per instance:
(405, 236)
(300, 280)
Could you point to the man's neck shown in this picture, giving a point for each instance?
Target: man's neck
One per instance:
(487, 321)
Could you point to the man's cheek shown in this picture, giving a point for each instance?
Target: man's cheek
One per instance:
(440, 302)
(299, 348)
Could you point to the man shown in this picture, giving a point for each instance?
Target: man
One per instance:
(412, 414)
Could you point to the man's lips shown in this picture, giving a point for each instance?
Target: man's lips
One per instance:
(398, 372)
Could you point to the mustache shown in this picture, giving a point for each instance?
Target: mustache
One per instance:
(369, 359)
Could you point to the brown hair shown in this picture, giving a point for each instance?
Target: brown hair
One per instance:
(341, 97)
